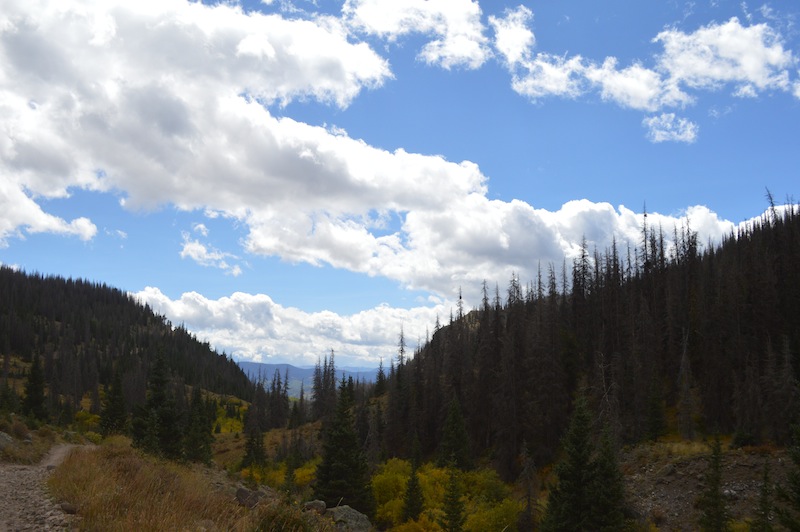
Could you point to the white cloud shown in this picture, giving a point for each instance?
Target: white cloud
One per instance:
(254, 327)
(456, 25)
(20, 212)
(548, 75)
(513, 38)
(121, 96)
(668, 127)
(448, 251)
(200, 228)
(205, 256)
(752, 58)
(747, 56)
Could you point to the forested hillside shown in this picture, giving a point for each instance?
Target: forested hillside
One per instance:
(703, 337)
(82, 333)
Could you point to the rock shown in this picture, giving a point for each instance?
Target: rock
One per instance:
(247, 498)
(5, 440)
(315, 506)
(346, 518)
(667, 470)
(69, 508)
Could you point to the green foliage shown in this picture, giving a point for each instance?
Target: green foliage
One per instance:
(156, 426)
(453, 520)
(254, 452)
(454, 446)
(413, 502)
(198, 438)
(609, 492)
(33, 404)
(113, 416)
(764, 510)
(714, 516)
(343, 475)
(590, 492)
(570, 506)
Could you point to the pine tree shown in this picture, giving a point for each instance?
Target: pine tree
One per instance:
(33, 403)
(714, 516)
(156, 426)
(198, 438)
(343, 474)
(455, 439)
(453, 505)
(570, 506)
(530, 487)
(113, 416)
(255, 455)
(764, 510)
(609, 488)
(413, 501)
(380, 381)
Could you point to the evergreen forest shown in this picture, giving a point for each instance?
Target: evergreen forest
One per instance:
(518, 407)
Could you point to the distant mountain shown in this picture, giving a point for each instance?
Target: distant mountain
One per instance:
(301, 376)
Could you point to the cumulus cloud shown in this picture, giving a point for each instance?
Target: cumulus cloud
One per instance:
(254, 327)
(208, 256)
(451, 254)
(153, 82)
(750, 58)
(459, 40)
(21, 212)
(513, 38)
(668, 127)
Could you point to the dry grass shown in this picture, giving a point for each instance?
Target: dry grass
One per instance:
(117, 488)
(29, 446)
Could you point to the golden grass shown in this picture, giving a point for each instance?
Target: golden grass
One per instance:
(30, 445)
(116, 487)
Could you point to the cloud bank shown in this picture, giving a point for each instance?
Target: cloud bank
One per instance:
(173, 103)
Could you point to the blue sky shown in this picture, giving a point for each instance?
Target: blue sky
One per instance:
(290, 177)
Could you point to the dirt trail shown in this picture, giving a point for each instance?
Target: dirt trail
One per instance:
(24, 502)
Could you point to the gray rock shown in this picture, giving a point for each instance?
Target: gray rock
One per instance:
(315, 506)
(5, 440)
(346, 518)
(247, 498)
(69, 508)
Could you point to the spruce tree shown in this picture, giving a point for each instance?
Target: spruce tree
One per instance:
(764, 510)
(453, 505)
(571, 502)
(255, 455)
(343, 474)
(609, 488)
(198, 438)
(530, 487)
(33, 404)
(455, 439)
(113, 416)
(413, 501)
(156, 426)
(714, 516)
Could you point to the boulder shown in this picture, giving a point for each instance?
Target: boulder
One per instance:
(346, 518)
(5, 440)
(315, 506)
(247, 498)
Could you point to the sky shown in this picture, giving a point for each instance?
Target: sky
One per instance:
(290, 177)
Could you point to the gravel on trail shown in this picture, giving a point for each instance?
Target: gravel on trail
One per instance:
(24, 501)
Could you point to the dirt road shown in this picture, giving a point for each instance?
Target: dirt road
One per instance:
(24, 502)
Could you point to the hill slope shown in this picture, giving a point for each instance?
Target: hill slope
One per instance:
(83, 332)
